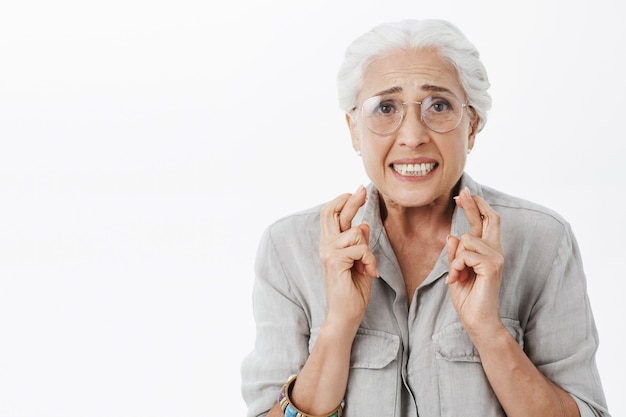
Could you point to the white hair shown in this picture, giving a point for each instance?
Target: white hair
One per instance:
(440, 35)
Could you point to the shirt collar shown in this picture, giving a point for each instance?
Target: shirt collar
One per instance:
(370, 213)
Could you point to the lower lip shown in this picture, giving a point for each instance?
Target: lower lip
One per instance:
(414, 178)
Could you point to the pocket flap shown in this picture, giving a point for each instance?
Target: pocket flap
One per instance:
(374, 349)
(454, 344)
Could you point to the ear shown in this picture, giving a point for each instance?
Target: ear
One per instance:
(473, 130)
(354, 132)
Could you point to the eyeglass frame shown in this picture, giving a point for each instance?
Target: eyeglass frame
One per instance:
(395, 129)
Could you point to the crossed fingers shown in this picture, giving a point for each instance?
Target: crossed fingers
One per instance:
(484, 221)
(336, 216)
(479, 248)
(340, 237)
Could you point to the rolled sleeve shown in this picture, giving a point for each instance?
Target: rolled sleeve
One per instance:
(282, 332)
(561, 336)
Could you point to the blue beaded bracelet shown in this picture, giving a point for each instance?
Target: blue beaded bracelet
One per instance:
(289, 410)
(292, 412)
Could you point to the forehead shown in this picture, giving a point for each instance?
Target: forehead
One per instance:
(414, 72)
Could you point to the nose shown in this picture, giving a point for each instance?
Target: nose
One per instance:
(412, 132)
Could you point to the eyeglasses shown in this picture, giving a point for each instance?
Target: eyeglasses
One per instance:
(383, 115)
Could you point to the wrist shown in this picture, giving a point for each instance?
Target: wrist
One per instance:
(322, 382)
(488, 335)
(339, 331)
(290, 410)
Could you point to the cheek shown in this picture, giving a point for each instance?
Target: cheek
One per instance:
(454, 152)
(461, 139)
(374, 152)
(375, 148)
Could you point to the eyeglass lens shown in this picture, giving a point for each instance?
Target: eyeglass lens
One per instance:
(383, 115)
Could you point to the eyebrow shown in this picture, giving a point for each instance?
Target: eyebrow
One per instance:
(425, 87)
(392, 90)
(439, 89)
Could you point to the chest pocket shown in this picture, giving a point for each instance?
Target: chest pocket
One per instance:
(374, 374)
(463, 386)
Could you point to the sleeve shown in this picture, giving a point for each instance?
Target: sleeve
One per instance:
(282, 332)
(561, 337)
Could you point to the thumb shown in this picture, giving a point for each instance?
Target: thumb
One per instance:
(365, 229)
(367, 264)
(453, 244)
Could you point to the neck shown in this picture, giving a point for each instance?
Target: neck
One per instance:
(418, 220)
(432, 219)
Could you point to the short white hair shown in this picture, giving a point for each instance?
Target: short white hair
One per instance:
(439, 35)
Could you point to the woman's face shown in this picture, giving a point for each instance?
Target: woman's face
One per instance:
(413, 75)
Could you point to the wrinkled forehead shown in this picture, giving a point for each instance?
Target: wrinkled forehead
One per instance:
(410, 73)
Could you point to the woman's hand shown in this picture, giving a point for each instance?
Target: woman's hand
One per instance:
(475, 268)
(347, 261)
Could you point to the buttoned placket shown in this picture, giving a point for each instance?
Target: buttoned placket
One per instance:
(390, 273)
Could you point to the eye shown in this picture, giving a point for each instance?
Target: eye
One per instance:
(439, 105)
(387, 107)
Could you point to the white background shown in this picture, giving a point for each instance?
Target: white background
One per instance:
(145, 145)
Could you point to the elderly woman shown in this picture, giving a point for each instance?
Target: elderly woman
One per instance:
(425, 293)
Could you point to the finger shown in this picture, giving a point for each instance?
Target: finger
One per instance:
(470, 208)
(490, 222)
(365, 229)
(368, 263)
(351, 207)
(366, 266)
(453, 244)
(350, 249)
(467, 253)
(477, 255)
(355, 236)
(474, 244)
(357, 257)
(329, 216)
(337, 215)
(458, 271)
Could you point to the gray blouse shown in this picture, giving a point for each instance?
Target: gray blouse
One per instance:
(419, 361)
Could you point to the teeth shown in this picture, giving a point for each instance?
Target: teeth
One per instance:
(414, 170)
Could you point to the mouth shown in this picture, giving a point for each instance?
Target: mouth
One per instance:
(414, 170)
